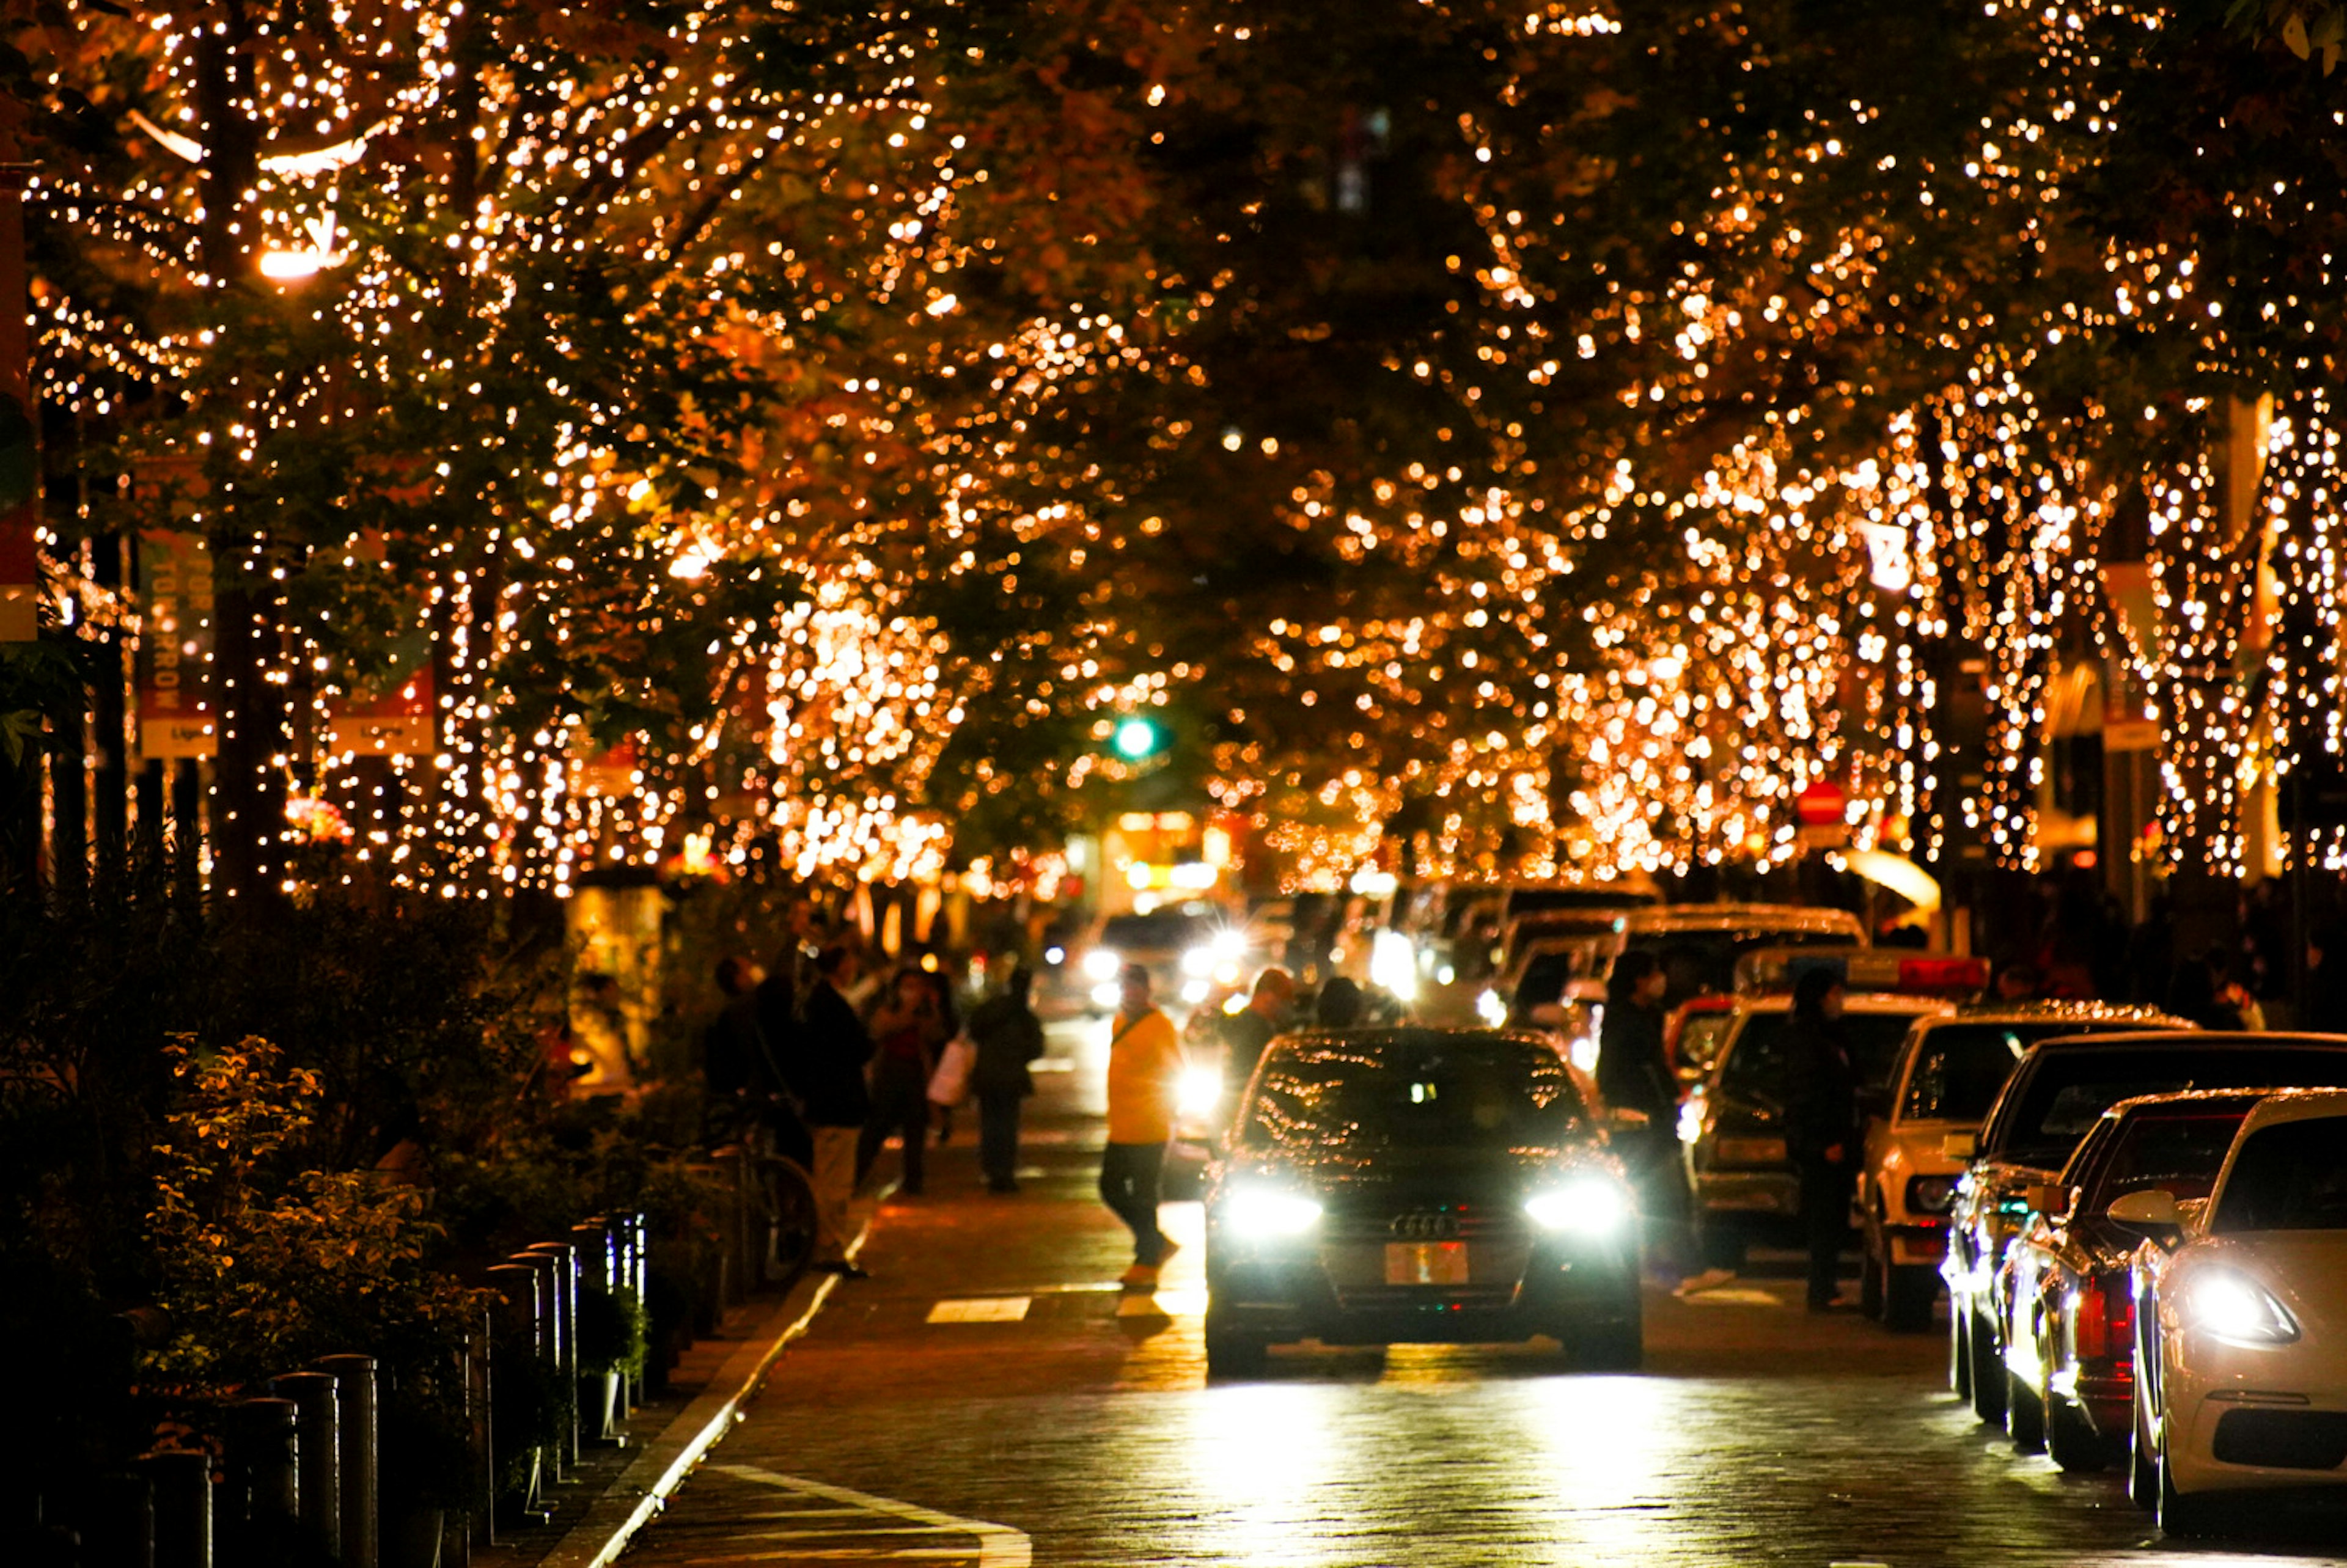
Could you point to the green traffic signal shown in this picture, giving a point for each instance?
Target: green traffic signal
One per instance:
(1137, 738)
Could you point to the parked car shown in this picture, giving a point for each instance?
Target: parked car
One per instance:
(1385, 1187)
(1699, 944)
(2241, 1311)
(1693, 1032)
(1731, 1124)
(2049, 1103)
(2069, 1325)
(1947, 1076)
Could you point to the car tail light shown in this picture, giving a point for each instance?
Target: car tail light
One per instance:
(2105, 1321)
(1942, 973)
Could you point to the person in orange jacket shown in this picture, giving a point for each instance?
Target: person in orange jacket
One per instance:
(1144, 1074)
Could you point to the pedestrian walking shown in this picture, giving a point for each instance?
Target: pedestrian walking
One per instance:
(823, 1064)
(1634, 1074)
(905, 1026)
(1821, 1125)
(1145, 1072)
(946, 1024)
(1009, 1037)
(1247, 1031)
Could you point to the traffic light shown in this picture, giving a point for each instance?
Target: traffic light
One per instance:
(1136, 738)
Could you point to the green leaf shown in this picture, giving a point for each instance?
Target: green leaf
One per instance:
(19, 730)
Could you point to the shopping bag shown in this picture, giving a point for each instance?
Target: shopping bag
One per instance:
(949, 1084)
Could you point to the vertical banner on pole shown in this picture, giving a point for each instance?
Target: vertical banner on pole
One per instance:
(174, 666)
(391, 714)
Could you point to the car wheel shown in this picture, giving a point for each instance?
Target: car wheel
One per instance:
(1988, 1372)
(1959, 1351)
(2143, 1462)
(1616, 1344)
(1724, 1245)
(1908, 1292)
(2071, 1440)
(1230, 1355)
(2186, 1514)
(2024, 1416)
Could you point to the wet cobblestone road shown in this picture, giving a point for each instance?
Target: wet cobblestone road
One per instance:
(986, 1399)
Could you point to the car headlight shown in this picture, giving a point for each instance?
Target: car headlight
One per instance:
(1589, 1205)
(1491, 1008)
(1269, 1212)
(1930, 1194)
(1198, 962)
(2231, 1306)
(1199, 1090)
(1228, 946)
(1101, 964)
(1107, 994)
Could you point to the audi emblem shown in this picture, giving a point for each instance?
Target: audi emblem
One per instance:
(1425, 1228)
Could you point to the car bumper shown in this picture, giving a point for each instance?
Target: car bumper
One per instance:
(1341, 1296)
(1918, 1246)
(2242, 1420)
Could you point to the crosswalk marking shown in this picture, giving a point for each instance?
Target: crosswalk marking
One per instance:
(870, 1529)
(981, 1309)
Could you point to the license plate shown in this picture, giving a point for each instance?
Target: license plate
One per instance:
(1426, 1262)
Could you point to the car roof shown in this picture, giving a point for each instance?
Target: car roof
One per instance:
(1853, 1001)
(1412, 1034)
(1739, 918)
(2140, 1104)
(2063, 1011)
(2296, 1105)
(2190, 1039)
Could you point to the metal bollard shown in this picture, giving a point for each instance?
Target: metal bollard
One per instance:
(482, 1431)
(182, 1489)
(593, 1241)
(120, 1529)
(354, 1384)
(264, 1469)
(552, 1341)
(567, 1324)
(318, 1420)
(521, 1332)
(640, 1277)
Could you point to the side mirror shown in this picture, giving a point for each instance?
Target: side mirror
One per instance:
(2048, 1198)
(1874, 1099)
(2153, 1211)
(1959, 1145)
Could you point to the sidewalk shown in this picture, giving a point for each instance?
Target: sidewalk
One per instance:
(954, 1236)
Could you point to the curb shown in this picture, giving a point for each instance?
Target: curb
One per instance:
(641, 1491)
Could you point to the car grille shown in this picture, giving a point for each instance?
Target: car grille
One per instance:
(2282, 1440)
(1450, 1222)
(1426, 1298)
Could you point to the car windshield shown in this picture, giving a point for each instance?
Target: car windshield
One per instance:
(1702, 1035)
(2289, 1176)
(1546, 975)
(1160, 930)
(1435, 1091)
(2180, 1151)
(1755, 1070)
(1961, 1065)
(2042, 1121)
(1701, 962)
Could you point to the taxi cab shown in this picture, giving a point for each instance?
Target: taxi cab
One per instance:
(1731, 1129)
(1944, 1081)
